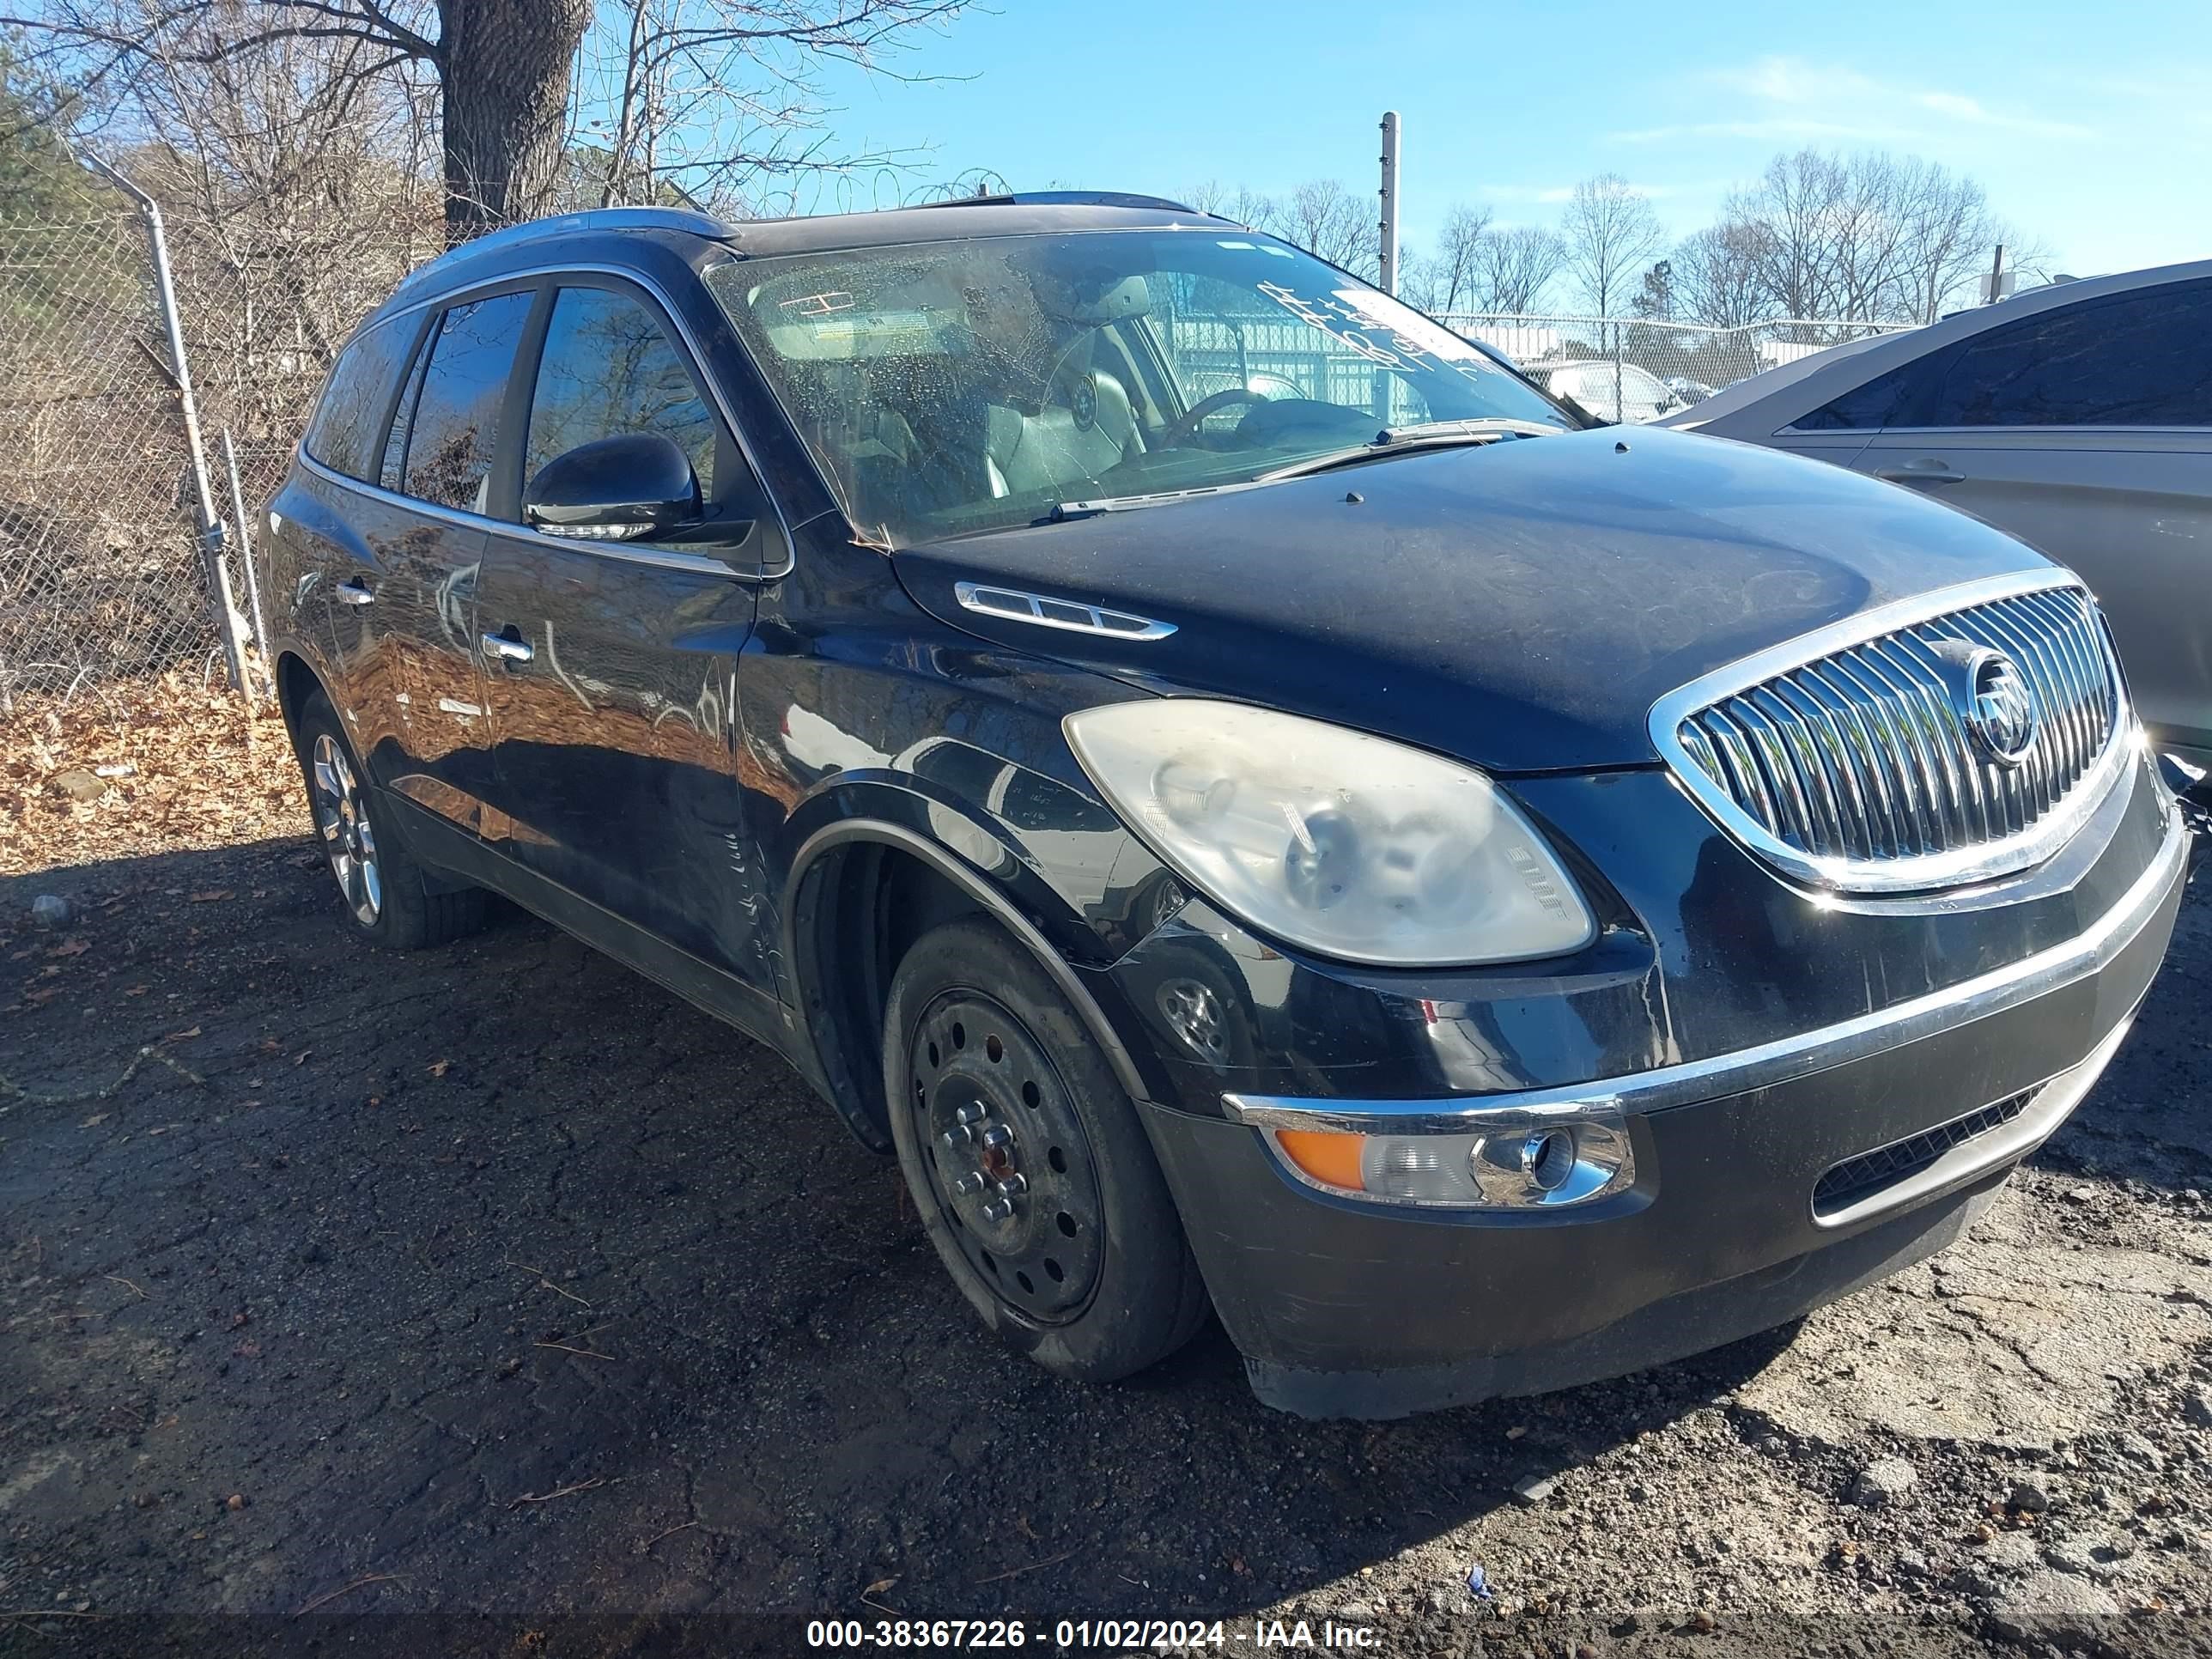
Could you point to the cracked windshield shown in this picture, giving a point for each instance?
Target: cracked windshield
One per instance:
(950, 388)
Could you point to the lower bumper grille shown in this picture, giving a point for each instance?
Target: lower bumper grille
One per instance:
(1858, 1179)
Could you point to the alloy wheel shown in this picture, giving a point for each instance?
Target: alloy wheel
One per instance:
(1008, 1160)
(348, 838)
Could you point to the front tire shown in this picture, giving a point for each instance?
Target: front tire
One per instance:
(1025, 1157)
(388, 899)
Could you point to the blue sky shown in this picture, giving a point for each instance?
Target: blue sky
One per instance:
(2090, 126)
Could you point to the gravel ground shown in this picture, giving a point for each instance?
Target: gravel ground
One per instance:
(493, 1301)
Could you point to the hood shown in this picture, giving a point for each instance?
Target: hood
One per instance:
(1519, 605)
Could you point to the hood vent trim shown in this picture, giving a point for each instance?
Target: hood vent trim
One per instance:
(1044, 611)
(1847, 759)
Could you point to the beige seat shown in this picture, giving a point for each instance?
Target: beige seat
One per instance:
(1054, 448)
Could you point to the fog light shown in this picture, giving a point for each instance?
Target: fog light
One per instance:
(1547, 1158)
(1517, 1160)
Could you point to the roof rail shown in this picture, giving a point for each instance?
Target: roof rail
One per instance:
(1120, 198)
(531, 230)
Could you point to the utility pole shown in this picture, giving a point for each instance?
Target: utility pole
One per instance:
(1994, 286)
(1387, 261)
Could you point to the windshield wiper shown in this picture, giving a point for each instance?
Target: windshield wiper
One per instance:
(1400, 440)
(1064, 511)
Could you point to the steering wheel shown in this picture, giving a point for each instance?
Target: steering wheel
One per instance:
(1185, 426)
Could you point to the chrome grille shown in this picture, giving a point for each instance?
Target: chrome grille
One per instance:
(1848, 758)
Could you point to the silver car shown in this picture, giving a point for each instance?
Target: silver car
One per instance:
(2078, 417)
(1606, 390)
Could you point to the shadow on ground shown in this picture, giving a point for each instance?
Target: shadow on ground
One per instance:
(497, 1280)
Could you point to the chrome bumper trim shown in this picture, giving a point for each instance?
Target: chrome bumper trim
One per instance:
(1779, 1061)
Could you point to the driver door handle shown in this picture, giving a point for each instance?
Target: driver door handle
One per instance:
(507, 649)
(354, 593)
(1924, 473)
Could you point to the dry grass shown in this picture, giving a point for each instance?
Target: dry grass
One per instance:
(185, 767)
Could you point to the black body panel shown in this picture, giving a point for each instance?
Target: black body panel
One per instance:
(1520, 605)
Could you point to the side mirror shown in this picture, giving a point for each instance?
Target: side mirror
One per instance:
(633, 487)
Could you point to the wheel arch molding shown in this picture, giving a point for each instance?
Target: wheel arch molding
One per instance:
(875, 869)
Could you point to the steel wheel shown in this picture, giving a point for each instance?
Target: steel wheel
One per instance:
(1006, 1156)
(342, 820)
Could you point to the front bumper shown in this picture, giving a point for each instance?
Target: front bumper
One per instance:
(1346, 1308)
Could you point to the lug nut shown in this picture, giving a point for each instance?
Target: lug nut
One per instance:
(1014, 1185)
(967, 1185)
(970, 1113)
(957, 1136)
(998, 1136)
(997, 1210)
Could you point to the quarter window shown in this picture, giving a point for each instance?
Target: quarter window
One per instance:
(608, 370)
(345, 435)
(1886, 400)
(2141, 359)
(450, 445)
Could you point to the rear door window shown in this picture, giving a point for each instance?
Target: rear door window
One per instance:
(2140, 359)
(455, 426)
(609, 369)
(347, 434)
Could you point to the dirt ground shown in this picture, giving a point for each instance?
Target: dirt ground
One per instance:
(493, 1301)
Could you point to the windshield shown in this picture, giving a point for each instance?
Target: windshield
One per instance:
(950, 387)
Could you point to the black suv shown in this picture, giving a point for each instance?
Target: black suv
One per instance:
(1257, 805)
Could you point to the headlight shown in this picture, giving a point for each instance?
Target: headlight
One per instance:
(1343, 843)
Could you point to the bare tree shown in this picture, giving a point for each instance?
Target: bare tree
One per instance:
(1868, 235)
(1450, 275)
(723, 71)
(1716, 278)
(1324, 217)
(1243, 204)
(1611, 234)
(724, 101)
(1513, 268)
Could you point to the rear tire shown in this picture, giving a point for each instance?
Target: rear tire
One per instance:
(388, 899)
(1035, 1180)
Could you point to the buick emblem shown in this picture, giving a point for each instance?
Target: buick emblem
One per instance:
(1994, 703)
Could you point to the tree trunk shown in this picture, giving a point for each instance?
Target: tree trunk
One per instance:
(504, 66)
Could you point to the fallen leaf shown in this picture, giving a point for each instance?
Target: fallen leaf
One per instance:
(135, 991)
(180, 1036)
(214, 895)
(70, 947)
(93, 1121)
(300, 1059)
(879, 1587)
(439, 1067)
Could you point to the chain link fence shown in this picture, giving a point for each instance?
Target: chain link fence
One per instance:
(99, 570)
(107, 567)
(1631, 368)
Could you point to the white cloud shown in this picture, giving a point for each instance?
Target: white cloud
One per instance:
(1784, 128)
(1792, 100)
(1959, 108)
